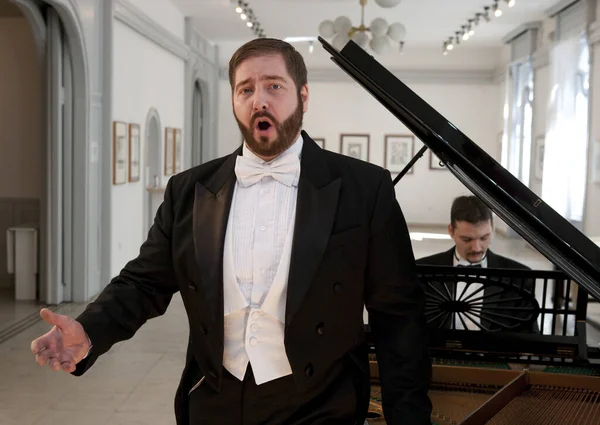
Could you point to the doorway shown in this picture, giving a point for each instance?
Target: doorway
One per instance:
(153, 173)
(197, 121)
(40, 78)
(22, 159)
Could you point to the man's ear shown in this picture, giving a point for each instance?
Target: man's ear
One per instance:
(451, 231)
(304, 97)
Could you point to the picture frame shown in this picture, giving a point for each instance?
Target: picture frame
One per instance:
(169, 161)
(178, 151)
(134, 152)
(434, 162)
(398, 150)
(320, 141)
(540, 144)
(355, 146)
(120, 153)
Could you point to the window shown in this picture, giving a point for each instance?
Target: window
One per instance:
(518, 153)
(565, 160)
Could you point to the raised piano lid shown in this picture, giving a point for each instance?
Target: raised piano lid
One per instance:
(545, 229)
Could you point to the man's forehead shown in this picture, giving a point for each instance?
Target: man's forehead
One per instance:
(480, 228)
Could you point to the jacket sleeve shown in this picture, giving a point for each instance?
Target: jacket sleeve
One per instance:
(141, 291)
(395, 303)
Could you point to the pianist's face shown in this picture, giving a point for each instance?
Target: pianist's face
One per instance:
(472, 240)
(267, 105)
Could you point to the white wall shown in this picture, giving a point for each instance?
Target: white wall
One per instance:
(345, 107)
(144, 76)
(21, 120)
(162, 11)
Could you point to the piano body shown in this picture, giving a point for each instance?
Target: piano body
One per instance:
(513, 351)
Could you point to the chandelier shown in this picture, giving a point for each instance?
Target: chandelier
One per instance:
(382, 38)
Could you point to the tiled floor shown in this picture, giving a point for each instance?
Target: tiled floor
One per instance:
(135, 382)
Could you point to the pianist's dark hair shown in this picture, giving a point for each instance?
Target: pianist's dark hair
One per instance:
(470, 209)
(270, 46)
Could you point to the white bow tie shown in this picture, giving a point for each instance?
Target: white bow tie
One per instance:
(285, 169)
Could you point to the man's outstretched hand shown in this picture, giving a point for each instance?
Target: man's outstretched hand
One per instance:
(65, 345)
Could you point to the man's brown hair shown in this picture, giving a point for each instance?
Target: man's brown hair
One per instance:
(294, 61)
(470, 209)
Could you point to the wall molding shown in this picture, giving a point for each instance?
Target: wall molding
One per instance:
(523, 28)
(200, 45)
(427, 76)
(137, 20)
(558, 7)
(541, 58)
(594, 32)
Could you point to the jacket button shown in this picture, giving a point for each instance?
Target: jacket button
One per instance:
(203, 328)
(337, 287)
(309, 371)
(192, 286)
(320, 329)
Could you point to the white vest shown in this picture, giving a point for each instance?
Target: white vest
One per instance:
(255, 335)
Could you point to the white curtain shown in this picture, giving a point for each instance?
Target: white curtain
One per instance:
(565, 151)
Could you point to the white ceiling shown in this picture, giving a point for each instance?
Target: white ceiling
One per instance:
(427, 22)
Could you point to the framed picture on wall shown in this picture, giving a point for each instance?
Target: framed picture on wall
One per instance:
(134, 152)
(177, 165)
(398, 151)
(355, 145)
(169, 150)
(120, 152)
(539, 157)
(434, 162)
(320, 141)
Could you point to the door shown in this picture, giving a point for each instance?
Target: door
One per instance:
(59, 162)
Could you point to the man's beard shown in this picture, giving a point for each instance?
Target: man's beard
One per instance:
(287, 132)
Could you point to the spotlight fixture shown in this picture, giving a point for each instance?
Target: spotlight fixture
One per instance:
(468, 30)
(497, 11)
(243, 9)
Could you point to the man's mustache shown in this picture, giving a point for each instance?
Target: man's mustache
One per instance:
(263, 114)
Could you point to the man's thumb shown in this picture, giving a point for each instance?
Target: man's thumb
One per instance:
(54, 319)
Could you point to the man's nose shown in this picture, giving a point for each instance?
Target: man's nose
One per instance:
(260, 102)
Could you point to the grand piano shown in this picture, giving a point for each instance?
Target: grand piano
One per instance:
(525, 357)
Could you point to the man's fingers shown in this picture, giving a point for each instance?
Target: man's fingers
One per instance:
(43, 357)
(54, 364)
(54, 319)
(68, 367)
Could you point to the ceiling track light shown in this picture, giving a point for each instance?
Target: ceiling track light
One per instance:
(468, 30)
(243, 9)
(497, 11)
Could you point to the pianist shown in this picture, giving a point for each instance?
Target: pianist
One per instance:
(471, 227)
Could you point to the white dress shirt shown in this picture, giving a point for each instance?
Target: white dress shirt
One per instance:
(256, 261)
(471, 319)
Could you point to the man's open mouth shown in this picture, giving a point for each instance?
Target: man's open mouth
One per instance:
(263, 125)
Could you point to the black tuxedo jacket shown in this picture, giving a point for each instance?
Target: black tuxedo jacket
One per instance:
(351, 248)
(494, 261)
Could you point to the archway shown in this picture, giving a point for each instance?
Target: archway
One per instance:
(197, 123)
(65, 208)
(153, 170)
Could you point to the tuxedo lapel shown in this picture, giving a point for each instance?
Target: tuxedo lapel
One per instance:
(315, 213)
(211, 212)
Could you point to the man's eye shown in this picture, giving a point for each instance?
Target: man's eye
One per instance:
(276, 86)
